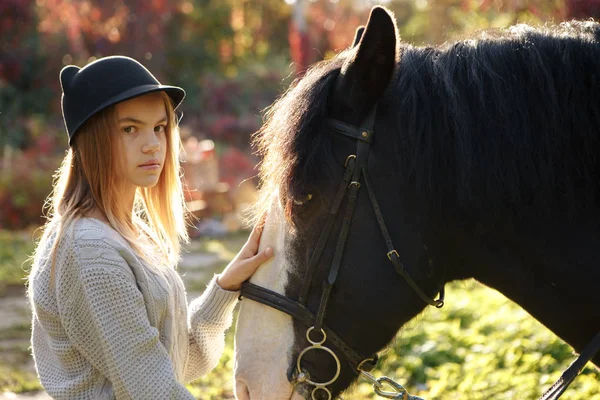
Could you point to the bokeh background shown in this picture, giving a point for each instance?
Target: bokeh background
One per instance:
(234, 57)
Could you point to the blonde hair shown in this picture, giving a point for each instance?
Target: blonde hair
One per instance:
(85, 182)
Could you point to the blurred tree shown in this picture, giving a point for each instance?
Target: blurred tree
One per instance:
(436, 21)
(299, 38)
(332, 24)
(583, 9)
(207, 36)
(22, 61)
(84, 30)
(199, 37)
(179, 40)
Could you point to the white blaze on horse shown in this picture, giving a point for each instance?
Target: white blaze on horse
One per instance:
(391, 170)
(262, 355)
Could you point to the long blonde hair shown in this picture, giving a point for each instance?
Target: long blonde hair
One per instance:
(85, 182)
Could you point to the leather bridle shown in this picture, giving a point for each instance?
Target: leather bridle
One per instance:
(355, 168)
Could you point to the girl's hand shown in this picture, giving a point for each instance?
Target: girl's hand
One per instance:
(245, 263)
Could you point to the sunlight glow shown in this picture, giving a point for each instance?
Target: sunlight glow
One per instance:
(421, 4)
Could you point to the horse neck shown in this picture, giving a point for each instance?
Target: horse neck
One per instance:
(552, 272)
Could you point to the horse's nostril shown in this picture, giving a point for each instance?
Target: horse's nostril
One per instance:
(241, 391)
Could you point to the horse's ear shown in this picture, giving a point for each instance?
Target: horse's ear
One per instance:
(358, 35)
(369, 67)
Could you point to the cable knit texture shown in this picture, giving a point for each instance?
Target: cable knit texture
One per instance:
(113, 327)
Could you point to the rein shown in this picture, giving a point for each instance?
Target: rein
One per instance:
(574, 369)
(355, 169)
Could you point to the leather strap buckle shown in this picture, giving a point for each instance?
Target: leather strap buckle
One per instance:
(389, 254)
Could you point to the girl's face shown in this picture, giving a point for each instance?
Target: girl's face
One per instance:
(143, 130)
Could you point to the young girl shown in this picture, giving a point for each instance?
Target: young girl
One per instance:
(110, 317)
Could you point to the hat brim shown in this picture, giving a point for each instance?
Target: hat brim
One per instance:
(176, 94)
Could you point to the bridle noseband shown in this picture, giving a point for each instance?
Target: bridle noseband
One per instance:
(355, 168)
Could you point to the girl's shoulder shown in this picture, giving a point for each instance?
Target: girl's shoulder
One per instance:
(91, 236)
(89, 243)
(92, 229)
(85, 238)
(78, 250)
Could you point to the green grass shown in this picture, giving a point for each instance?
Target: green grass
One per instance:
(18, 380)
(18, 331)
(218, 384)
(15, 248)
(226, 248)
(16, 373)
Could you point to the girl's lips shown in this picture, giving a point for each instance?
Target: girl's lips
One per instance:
(150, 162)
(150, 166)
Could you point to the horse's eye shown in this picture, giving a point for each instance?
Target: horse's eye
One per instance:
(304, 200)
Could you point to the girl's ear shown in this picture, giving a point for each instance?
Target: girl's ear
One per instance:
(369, 68)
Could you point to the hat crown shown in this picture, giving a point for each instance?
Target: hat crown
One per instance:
(102, 83)
(108, 77)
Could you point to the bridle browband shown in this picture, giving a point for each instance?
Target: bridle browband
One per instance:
(354, 170)
(355, 167)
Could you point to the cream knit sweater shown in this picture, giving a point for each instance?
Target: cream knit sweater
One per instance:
(111, 327)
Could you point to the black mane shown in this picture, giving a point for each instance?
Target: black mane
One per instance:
(511, 120)
(292, 141)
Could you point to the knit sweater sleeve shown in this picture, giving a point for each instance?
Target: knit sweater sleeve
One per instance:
(106, 320)
(210, 315)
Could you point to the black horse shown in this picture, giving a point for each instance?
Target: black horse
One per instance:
(483, 159)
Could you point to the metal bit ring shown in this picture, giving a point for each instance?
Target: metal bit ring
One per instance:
(316, 390)
(318, 346)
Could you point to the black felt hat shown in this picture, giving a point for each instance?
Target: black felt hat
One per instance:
(105, 82)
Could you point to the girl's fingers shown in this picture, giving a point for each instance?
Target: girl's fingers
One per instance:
(246, 262)
(254, 239)
(253, 263)
(241, 270)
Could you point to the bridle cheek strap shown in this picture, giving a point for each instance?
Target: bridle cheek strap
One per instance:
(323, 239)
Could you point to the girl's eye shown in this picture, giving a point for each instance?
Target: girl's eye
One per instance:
(129, 129)
(160, 128)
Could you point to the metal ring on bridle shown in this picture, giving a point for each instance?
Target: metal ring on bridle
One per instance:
(315, 343)
(315, 390)
(318, 346)
(360, 365)
(337, 364)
